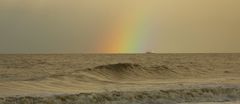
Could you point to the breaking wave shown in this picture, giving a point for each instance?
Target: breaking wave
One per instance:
(130, 71)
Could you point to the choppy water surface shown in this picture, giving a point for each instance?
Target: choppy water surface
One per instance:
(40, 67)
(31, 75)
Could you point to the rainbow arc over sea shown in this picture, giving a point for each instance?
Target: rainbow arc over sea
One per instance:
(129, 34)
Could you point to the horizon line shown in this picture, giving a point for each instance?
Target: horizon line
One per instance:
(51, 53)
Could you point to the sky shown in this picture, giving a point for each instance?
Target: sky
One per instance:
(119, 26)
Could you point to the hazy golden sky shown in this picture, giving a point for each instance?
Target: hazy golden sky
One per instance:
(74, 26)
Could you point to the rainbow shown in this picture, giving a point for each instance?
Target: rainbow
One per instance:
(128, 35)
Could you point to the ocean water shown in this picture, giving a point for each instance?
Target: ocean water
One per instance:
(60, 74)
(40, 67)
